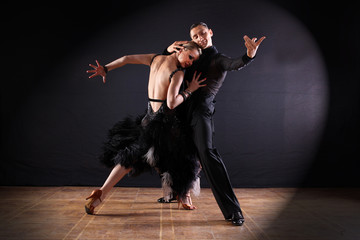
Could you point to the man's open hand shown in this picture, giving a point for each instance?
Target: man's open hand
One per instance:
(252, 45)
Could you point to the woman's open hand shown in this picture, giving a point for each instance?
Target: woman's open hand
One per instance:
(98, 71)
(195, 84)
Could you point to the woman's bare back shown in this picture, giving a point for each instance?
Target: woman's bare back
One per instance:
(160, 71)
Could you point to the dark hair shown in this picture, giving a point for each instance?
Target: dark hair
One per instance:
(199, 24)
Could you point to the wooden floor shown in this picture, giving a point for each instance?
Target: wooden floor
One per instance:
(133, 213)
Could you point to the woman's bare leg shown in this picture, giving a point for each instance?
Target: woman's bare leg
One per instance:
(116, 174)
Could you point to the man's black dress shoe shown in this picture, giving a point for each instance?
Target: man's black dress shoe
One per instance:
(162, 200)
(237, 219)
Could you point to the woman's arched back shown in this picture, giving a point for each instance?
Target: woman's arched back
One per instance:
(159, 80)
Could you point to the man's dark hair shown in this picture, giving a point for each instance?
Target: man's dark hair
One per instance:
(199, 24)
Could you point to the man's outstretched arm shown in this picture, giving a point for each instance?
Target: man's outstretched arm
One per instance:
(231, 64)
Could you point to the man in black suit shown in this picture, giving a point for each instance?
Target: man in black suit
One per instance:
(201, 107)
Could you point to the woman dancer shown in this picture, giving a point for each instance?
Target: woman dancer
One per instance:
(158, 139)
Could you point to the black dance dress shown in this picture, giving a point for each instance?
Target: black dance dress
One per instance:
(159, 140)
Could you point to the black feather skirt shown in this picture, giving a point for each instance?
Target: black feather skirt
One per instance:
(124, 146)
(157, 140)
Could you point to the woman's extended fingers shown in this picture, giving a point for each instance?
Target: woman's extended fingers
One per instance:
(94, 70)
(196, 76)
(201, 81)
(94, 75)
(93, 66)
(97, 70)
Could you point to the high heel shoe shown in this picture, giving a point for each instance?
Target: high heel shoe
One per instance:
(95, 195)
(185, 205)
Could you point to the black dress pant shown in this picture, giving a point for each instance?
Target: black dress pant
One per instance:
(212, 164)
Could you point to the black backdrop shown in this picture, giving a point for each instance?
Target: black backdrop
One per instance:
(288, 119)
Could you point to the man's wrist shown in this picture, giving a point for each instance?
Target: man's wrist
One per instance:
(247, 59)
(250, 56)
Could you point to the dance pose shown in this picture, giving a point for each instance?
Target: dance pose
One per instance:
(158, 139)
(201, 109)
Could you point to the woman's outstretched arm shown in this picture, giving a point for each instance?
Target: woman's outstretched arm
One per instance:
(130, 59)
(100, 70)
